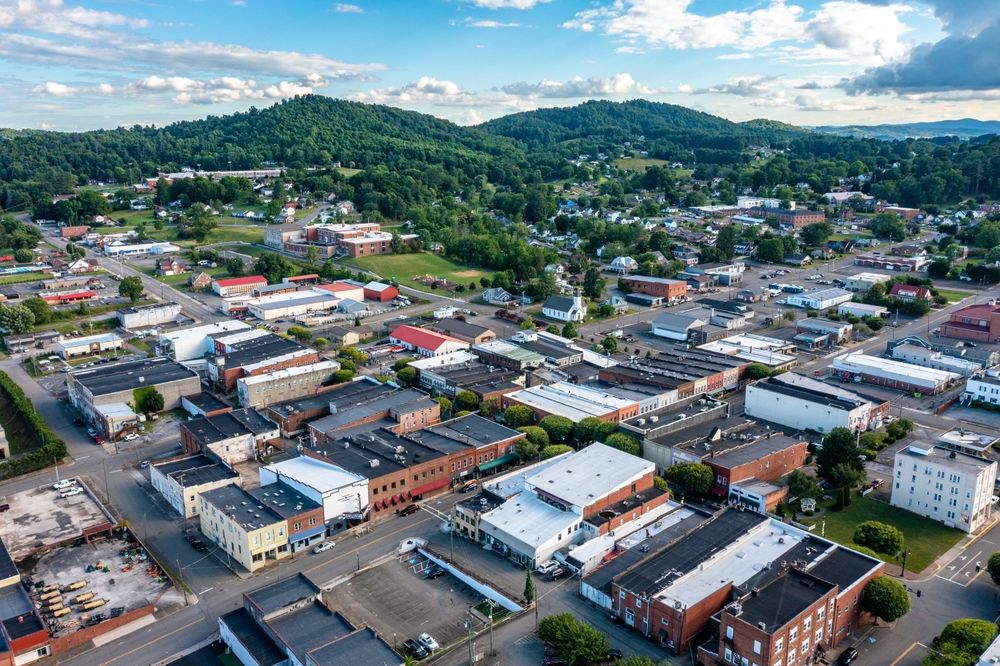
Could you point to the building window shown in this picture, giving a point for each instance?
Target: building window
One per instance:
(756, 647)
(729, 631)
(779, 645)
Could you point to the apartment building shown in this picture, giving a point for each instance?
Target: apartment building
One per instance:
(252, 534)
(291, 382)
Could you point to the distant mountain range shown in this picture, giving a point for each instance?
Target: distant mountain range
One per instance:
(963, 128)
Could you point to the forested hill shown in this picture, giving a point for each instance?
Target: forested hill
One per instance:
(963, 128)
(310, 130)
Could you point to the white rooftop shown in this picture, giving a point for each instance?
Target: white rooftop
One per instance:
(115, 409)
(454, 358)
(332, 366)
(204, 330)
(525, 522)
(510, 484)
(89, 339)
(573, 401)
(317, 474)
(288, 356)
(858, 362)
(583, 477)
(242, 336)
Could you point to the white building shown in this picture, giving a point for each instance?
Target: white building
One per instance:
(295, 304)
(928, 358)
(565, 308)
(129, 249)
(803, 403)
(984, 388)
(574, 401)
(772, 352)
(148, 315)
(342, 494)
(894, 374)
(284, 384)
(622, 265)
(89, 345)
(187, 344)
(746, 203)
(865, 281)
(819, 300)
(180, 482)
(862, 310)
(948, 486)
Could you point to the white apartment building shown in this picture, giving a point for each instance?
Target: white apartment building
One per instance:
(928, 358)
(803, 403)
(985, 388)
(951, 487)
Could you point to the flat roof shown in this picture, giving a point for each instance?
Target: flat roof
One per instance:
(321, 476)
(773, 442)
(510, 350)
(457, 326)
(589, 474)
(527, 521)
(241, 507)
(293, 300)
(956, 460)
(573, 401)
(282, 593)
(373, 454)
(809, 394)
(215, 428)
(472, 429)
(129, 375)
(195, 471)
(862, 362)
(204, 330)
(255, 350)
(363, 646)
(309, 627)
(205, 402)
(283, 499)
(320, 366)
(782, 599)
(368, 405)
(843, 567)
(90, 339)
(7, 566)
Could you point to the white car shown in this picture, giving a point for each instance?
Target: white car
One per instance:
(546, 566)
(131, 437)
(76, 490)
(62, 485)
(323, 547)
(428, 642)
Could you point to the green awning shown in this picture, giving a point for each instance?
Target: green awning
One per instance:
(493, 464)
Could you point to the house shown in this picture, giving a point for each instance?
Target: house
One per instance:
(622, 265)
(424, 342)
(979, 323)
(497, 296)
(565, 308)
(797, 259)
(617, 303)
(909, 292)
(171, 267)
(948, 486)
(200, 281)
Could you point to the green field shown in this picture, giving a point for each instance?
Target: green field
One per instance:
(953, 295)
(926, 538)
(347, 173)
(23, 277)
(405, 267)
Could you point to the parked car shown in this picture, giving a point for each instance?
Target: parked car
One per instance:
(547, 566)
(434, 572)
(144, 464)
(91, 432)
(414, 649)
(323, 547)
(614, 654)
(199, 545)
(75, 490)
(409, 509)
(428, 642)
(62, 485)
(469, 487)
(556, 573)
(553, 660)
(847, 656)
(131, 437)
(98, 439)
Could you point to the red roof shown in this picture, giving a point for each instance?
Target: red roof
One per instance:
(240, 281)
(297, 278)
(338, 286)
(983, 311)
(900, 289)
(421, 338)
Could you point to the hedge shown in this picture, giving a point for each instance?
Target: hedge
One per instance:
(51, 448)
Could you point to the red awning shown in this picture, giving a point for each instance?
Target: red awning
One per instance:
(430, 487)
(385, 503)
(393, 499)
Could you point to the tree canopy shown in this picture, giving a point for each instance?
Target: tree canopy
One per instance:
(886, 599)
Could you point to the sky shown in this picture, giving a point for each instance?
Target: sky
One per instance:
(86, 64)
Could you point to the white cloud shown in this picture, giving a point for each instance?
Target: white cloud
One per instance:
(55, 18)
(612, 86)
(487, 23)
(53, 88)
(348, 8)
(758, 86)
(860, 30)
(185, 90)
(735, 56)
(669, 24)
(507, 4)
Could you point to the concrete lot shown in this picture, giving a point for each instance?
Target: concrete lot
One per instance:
(130, 582)
(395, 599)
(39, 518)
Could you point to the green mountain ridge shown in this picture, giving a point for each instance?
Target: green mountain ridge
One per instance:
(963, 128)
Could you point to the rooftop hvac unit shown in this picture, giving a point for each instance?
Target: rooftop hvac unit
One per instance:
(374, 462)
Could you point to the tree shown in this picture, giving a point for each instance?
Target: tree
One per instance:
(341, 376)
(623, 442)
(24, 256)
(961, 642)
(757, 371)
(879, 537)
(593, 283)
(529, 587)
(445, 404)
(636, 660)
(803, 485)
(300, 333)
(725, 242)
(939, 268)
(840, 450)
(816, 234)
(16, 318)
(321, 343)
(40, 309)
(528, 323)
(885, 599)
(518, 415)
(694, 478)
(558, 428)
(993, 567)
(489, 407)
(575, 641)
(569, 330)
(467, 400)
(887, 226)
(553, 450)
(407, 376)
(150, 401)
(274, 267)
(131, 288)
(354, 354)
(235, 266)
(610, 344)
(771, 250)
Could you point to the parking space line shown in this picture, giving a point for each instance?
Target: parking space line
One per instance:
(905, 652)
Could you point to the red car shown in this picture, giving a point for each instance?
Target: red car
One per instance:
(98, 439)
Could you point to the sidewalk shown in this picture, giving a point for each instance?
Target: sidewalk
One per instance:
(947, 557)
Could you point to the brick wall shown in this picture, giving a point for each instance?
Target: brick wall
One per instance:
(85, 634)
(769, 467)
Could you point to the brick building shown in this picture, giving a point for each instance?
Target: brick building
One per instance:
(399, 411)
(256, 356)
(233, 437)
(797, 218)
(670, 290)
(685, 372)
(292, 416)
(238, 286)
(275, 385)
(979, 323)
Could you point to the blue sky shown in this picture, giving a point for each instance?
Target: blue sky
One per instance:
(82, 64)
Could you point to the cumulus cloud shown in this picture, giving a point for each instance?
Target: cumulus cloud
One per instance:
(487, 23)
(56, 18)
(749, 87)
(425, 90)
(348, 8)
(670, 24)
(612, 86)
(507, 4)
(185, 90)
(966, 59)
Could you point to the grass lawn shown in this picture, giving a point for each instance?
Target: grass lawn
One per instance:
(19, 434)
(404, 267)
(23, 277)
(229, 233)
(850, 236)
(926, 538)
(347, 173)
(953, 295)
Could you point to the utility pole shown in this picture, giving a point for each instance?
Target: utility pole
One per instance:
(491, 629)
(180, 580)
(451, 535)
(906, 551)
(468, 626)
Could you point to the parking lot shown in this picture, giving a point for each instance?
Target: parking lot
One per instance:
(397, 601)
(40, 517)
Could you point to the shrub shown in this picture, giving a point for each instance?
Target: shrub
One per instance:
(51, 448)
(879, 537)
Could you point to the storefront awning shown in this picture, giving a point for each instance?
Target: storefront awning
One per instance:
(428, 487)
(493, 464)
